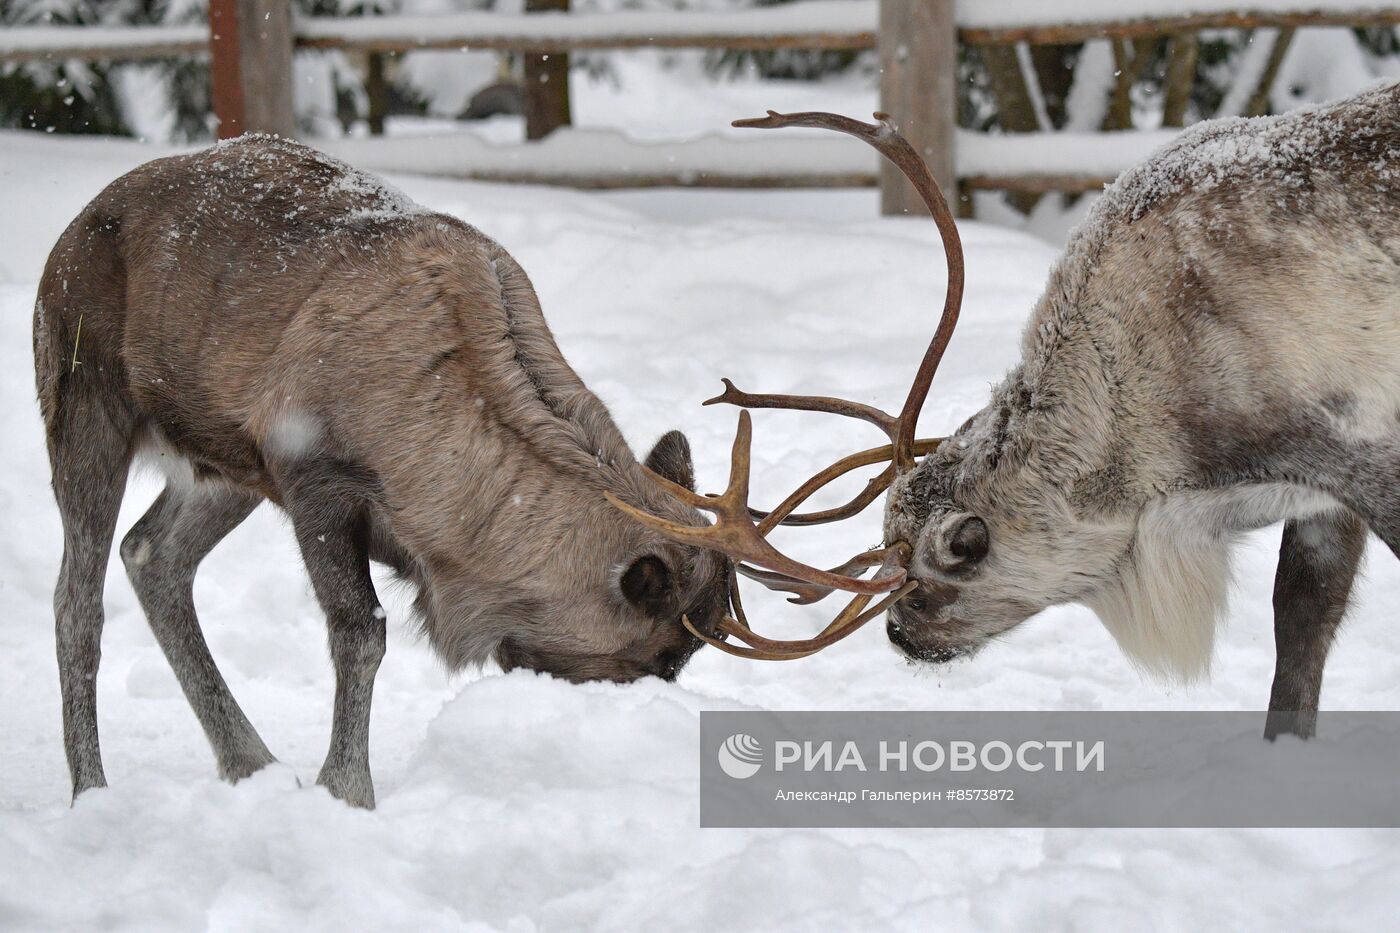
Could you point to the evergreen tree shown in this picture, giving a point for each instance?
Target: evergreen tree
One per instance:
(57, 97)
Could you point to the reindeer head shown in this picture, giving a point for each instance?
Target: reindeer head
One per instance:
(995, 534)
(601, 598)
(623, 622)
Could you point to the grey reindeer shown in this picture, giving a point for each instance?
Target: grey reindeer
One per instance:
(266, 323)
(1218, 350)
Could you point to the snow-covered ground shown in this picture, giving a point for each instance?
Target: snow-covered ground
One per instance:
(521, 803)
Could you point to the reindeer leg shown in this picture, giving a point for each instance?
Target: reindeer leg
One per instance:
(161, 553)
(1317, 564)
(334, 534)
(90, 451)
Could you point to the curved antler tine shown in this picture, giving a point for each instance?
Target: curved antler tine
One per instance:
(850, 611)
(804, 593)
(743, 541)
(686, 534)
(676, 490)
(894, 147)
(835, 632)
(766, 556)
(782, 514)
(740, 651)
(807, 593)
(854, 615)
(735, 602)
(735, 534)
(740, 461)
(816, 119)
(894, 561)
(756, 647)
(732, 395)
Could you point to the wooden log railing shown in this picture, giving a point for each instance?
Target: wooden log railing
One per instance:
(1152, 27)
(23, 44)
(812, 24)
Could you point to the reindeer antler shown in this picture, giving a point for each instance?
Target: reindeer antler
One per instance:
(735, 532)
(886, 140)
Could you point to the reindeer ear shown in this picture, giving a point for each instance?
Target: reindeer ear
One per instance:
(969, 540)
(647, 583)
(671, 458)
(957, 543)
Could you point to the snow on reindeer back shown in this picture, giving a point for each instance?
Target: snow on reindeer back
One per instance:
(375, 198)
(1279, 154)
(320, 191)
(1282, 150)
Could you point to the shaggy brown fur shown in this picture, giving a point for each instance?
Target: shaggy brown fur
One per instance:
(268, 323)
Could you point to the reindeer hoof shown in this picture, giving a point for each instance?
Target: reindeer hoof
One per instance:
(356, 789)
(236, 769)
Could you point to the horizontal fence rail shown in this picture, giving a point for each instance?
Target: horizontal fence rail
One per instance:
(603, 159)
(593, 159)
(1143, 27)
(21, 44)
(818, 24)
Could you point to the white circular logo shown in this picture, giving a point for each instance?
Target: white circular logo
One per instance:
(740, 756)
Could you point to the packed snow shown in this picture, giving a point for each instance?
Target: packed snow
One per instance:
(517, 802)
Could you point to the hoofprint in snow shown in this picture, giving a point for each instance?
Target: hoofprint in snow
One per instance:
(519, 802)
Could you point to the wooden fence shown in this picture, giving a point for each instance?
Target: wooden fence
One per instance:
(251, 44)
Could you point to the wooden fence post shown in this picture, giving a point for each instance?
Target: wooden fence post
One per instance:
(918, 88)
(1182, 51)
(376, 92)
(546, 91)
(250, 49)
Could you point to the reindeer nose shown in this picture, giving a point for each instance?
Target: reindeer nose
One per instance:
(668, 663)
(899, 637)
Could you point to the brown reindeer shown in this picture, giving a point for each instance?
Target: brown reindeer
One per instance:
(267, 323)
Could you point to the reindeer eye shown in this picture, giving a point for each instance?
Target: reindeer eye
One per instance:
(917, 604)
